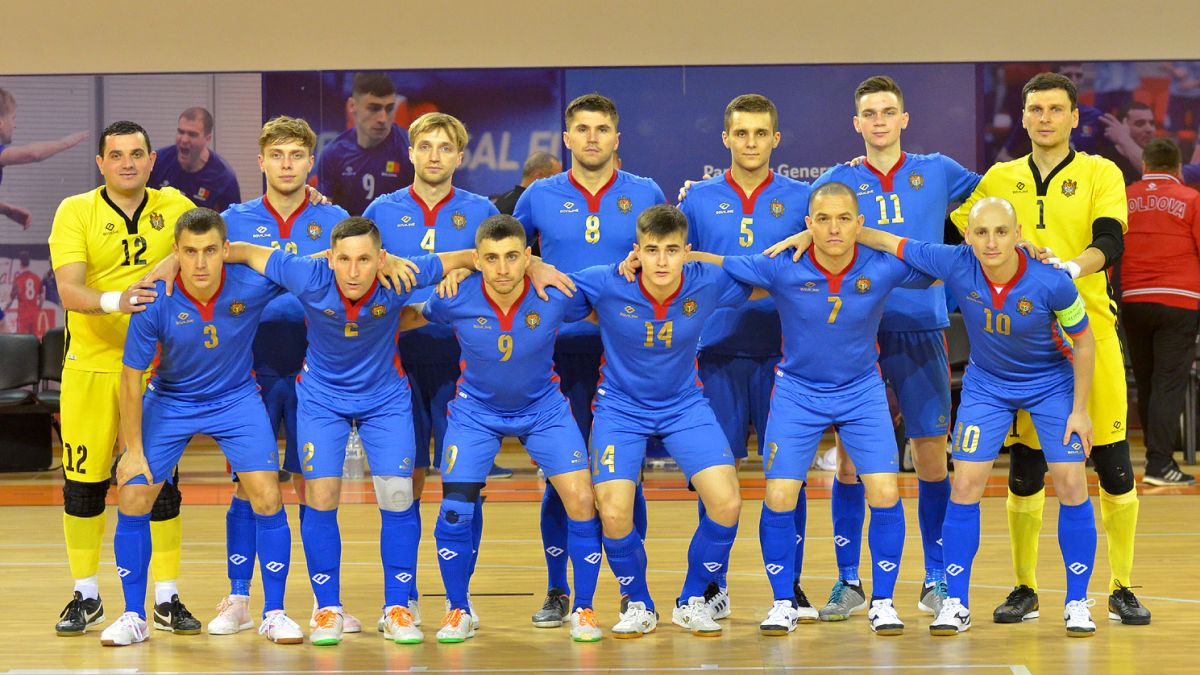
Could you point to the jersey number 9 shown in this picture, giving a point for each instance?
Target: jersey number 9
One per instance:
(504, 344)
(368, 184)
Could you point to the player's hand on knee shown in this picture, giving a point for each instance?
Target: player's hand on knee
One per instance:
(133, 464)
(1080, 424)
(315, 197)
(630, 266)
(397, 273)
(136, 297)
(166, 270)
(543, 274)
(448, 286)
(799, 241)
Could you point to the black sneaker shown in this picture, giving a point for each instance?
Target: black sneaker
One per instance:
(79, 614)
(1021, 604)
(806, 613)
(1168, 476)
(555, 609)
(1123, 606)
(173, 616)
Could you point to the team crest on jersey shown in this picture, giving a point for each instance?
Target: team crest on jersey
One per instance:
(862, 284)
(689, 307)
(1068, 187)
(237, 307)
(378, 311)
(314, 230)
(776, 208)
(458, 220)
(916, 181)
(532, 319)
(624, 204)
(156, 221)
(1024, 306)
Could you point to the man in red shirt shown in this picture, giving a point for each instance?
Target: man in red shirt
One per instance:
(1160, 279)
(27, 294)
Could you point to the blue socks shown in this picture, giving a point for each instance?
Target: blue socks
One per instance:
(932, 498)
(273, 539)
(453, 534)
(640, 517)
(584, 543)
(848, 503)
(131, 544)
(886, 540)
(627, 559)
(777, 534)
(412, 591)
(323, 551)
(960, 534)
(800, 518)
(708, 556)
(1077, 539)
(554, 539)
(399, 537)
(476, 536)
(240, 545)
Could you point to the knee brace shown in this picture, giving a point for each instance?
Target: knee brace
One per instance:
(461, 492)
(1113, 467)
(394, 493)
(84, 500)
(166, 505)
(1027, 472)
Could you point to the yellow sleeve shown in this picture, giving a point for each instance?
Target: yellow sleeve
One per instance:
(68, 239)
(959, 215)
(1110, 200)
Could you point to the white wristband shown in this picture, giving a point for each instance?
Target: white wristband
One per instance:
(1072, 268)
(110, 301)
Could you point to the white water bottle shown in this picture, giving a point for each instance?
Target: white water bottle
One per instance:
(354, 467)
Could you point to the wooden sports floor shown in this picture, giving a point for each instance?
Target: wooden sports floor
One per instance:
(510, 582)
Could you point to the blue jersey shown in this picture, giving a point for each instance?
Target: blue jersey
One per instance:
(650, 348)
(911, 200)
(214, 186)
(279, 346)
(576, 229)
(724, 221)
(351, 176)
(351, 345)
(203, 349)
(829, 320)
(409, 228)
(1015, 328)
(507, 358)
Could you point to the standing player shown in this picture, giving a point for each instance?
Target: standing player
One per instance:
(193, 168)
(199, 341)
(1018, 361)
(281, 218)
(24, 154)
(1074, 204)
(103, 241)
(908, 195)
(743, 211)
(367, 159)
(508, 388)
(583, 217)
(27, 296)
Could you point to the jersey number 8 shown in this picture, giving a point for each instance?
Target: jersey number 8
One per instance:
(591, 229)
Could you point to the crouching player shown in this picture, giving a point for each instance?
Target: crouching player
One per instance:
(203, 384)
(1016, 312)
(509, 388)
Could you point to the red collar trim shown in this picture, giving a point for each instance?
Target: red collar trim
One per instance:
(352, 307)
(660, 311)
(593, 200)
(506, 319)
(885, 179)
(430, 214)
(206, 309)
(748, 200)
(834, 280)
(999, 298)
(285, 224)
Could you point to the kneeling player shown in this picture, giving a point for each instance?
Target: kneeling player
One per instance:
(509, 388)
(1016, 311)
(203, 384)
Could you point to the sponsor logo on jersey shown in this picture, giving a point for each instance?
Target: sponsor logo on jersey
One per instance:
(261, 231)
(237, 307)
(1068, 187)
(864, 188)
(689, 307)
(314, 230)
(182, 318)
(973, 296)
(156, 221)
(378, 311)
(1024, 306)
(1020, 188)
(458, 220)
(481, 322)
(568, 207)
(862, 284)
(329, 312)
(776, 208)
(624, 205)
(109, 228)
(809, 287)
(406, 221)
(533, 320)
(916, 181)
(629, 312)
(348, 171)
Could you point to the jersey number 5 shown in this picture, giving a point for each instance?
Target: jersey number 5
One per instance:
(746, 235)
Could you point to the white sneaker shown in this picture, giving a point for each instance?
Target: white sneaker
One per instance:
(456, 627)
(884, 619)
(280, 629)
(233, 615)
(399, 626)
(126, 630)
(716, 599)
(414, 608)
(349, 623)
(781, 620)
(635, 621)
(826, 461)
(1076, 614)
(474, 615)
(952, 620)
(694, 616)
(329, 622)
(584, 627)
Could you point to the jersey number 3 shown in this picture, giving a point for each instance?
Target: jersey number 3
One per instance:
(210, 332)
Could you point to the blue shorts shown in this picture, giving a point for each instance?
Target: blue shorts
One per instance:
(384, 424)
(799, 419)
(739, 390)
(578, 375)
(688, 429)
(433, 386)
(279, 397)
(239, 426)
(989, 405)
(474, 432)
(917, 366)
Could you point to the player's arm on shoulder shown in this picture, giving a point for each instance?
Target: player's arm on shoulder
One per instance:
(78, 297)
(1110, 209)
(926, 260)
(880, 240)
(251, 255)
(413, 316)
